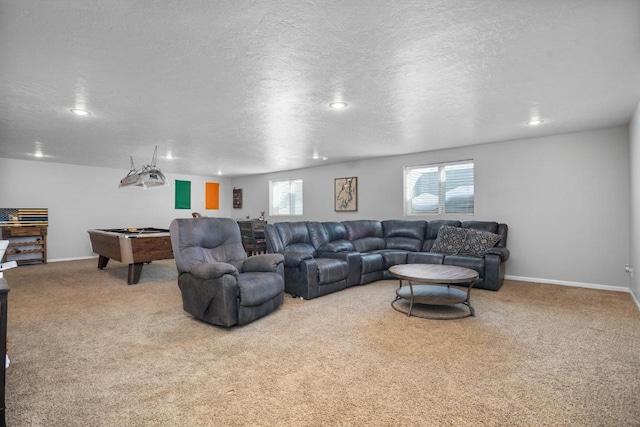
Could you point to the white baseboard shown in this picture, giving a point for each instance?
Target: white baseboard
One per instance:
(575, 284)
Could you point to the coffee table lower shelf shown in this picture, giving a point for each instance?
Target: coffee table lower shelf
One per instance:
(432, 295)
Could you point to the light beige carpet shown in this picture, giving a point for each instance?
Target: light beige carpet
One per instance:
(88, 350)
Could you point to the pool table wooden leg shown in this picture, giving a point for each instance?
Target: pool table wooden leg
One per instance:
(134, 273)
(102, 262)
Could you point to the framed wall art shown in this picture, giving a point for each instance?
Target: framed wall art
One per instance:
(346, 194)
(237, 198)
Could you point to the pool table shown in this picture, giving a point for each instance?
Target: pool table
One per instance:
(133, 246)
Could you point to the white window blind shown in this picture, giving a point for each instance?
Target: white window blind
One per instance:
(285, 197)
(444, 188)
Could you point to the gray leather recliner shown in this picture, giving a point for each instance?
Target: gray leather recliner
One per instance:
(219, 283)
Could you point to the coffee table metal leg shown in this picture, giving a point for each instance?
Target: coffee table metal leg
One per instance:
(411, 300)
(471, 309)
(468, 301)
(398, 298)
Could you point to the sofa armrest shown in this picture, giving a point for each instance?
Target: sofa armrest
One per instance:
(263, 263)
(503, 253)
(213, 270)
(293, 259)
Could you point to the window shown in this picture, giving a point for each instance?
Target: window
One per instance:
(285, 197)
(444, 188)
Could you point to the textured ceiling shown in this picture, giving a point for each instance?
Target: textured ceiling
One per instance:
(244, 87)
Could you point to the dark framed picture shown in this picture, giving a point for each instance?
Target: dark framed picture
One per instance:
(346, 194)
(237, 198)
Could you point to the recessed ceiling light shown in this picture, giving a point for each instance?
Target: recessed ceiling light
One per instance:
(80, 112)
(338, 105)
(534, 122)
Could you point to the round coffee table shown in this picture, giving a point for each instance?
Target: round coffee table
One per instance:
(433, 287)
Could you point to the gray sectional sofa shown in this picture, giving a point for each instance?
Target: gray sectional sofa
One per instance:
(325, 257)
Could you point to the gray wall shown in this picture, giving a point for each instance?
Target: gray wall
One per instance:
(634, 156)
(564, 197)
(80, 198)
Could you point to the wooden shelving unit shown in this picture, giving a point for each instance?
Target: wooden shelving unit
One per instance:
(26, 231)
(27, 244)
(253, 238)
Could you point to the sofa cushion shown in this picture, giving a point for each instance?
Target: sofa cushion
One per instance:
(404, 228)
(293, 232)
(368, 244)
(404, 234)
(329, 237)
(366, 235)
(393, 257)
(403, 243)
(478, 241)
(372, 262)
(359, 228)
(335, 230)
(425, 258)
(466, 261)
(449, 240)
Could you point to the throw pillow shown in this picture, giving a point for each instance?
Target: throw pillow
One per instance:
(449, 240)
(478, 241)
